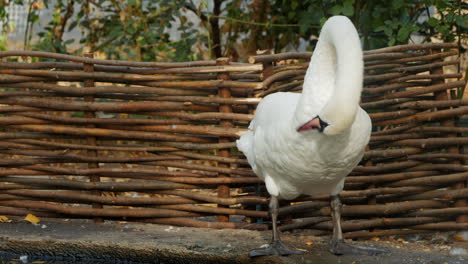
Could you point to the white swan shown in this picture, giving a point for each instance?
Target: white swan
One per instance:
(307, 143)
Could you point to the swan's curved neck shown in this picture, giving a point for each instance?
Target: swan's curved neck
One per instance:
(333, 82)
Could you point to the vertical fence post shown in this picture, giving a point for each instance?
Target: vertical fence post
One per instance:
(88, 67)
(445, 95)
(266, 72)
(224, 92)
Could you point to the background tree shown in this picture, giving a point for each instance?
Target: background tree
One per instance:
(139, 30)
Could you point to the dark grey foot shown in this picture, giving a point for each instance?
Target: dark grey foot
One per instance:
(276, 248)
(340, 247)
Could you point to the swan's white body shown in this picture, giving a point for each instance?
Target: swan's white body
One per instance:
(310, 162)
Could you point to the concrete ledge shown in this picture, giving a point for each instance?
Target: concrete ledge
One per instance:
(110, 252)
(148, 243)
(114, 242)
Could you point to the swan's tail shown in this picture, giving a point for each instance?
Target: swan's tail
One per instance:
(246, 144)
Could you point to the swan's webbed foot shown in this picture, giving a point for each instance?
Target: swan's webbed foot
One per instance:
(337, 245)
(275, 248)
(340, 247)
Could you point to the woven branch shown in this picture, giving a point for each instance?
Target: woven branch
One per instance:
(57, 56)
(102, 186)
(93, 212)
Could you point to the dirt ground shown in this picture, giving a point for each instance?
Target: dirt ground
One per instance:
(114, 242)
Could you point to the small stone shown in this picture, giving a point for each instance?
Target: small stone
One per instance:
(458, 252)
(24, 259)
(461, 236)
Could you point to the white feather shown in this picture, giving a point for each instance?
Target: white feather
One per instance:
(310, 162)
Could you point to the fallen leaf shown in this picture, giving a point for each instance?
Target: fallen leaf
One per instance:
(309, 243)
(4, 219)
(32, 219)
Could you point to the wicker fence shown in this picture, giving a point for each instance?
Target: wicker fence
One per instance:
(155, 142)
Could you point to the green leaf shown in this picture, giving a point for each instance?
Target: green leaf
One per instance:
(348, 8)
(403, 34)
(73, 24)
(322, 21)
(462, 21)
(397, 4)
(388, 31)
(131, 2)
(450, 18)
(336, 10)
(379, 28)
(432, 22)
(294, 4)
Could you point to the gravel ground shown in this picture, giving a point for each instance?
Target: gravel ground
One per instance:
(82, 241)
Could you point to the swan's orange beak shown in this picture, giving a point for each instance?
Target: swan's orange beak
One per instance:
(312, 124)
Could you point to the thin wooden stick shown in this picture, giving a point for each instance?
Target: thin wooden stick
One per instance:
(413, 47)
(423, 90)
(214, 210)
(390, 177)
(81, 197)
(102, 186)
(99, 212)
(100, 132)
(57, 56)
(110, 89)
(183, 221)
(426, 116)
(105, 107)
(355, 225)
(445, 194)
(432, 180)
(49, 144)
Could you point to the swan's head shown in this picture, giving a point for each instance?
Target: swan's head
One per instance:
(328, 122)
(315, 123)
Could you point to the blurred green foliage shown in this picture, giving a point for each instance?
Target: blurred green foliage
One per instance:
(140, 30)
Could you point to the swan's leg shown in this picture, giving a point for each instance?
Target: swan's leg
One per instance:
(337, 244)
(276, 247)
(336, 205)
(274, 210)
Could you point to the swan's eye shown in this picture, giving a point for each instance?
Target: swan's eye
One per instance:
(323, 124)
